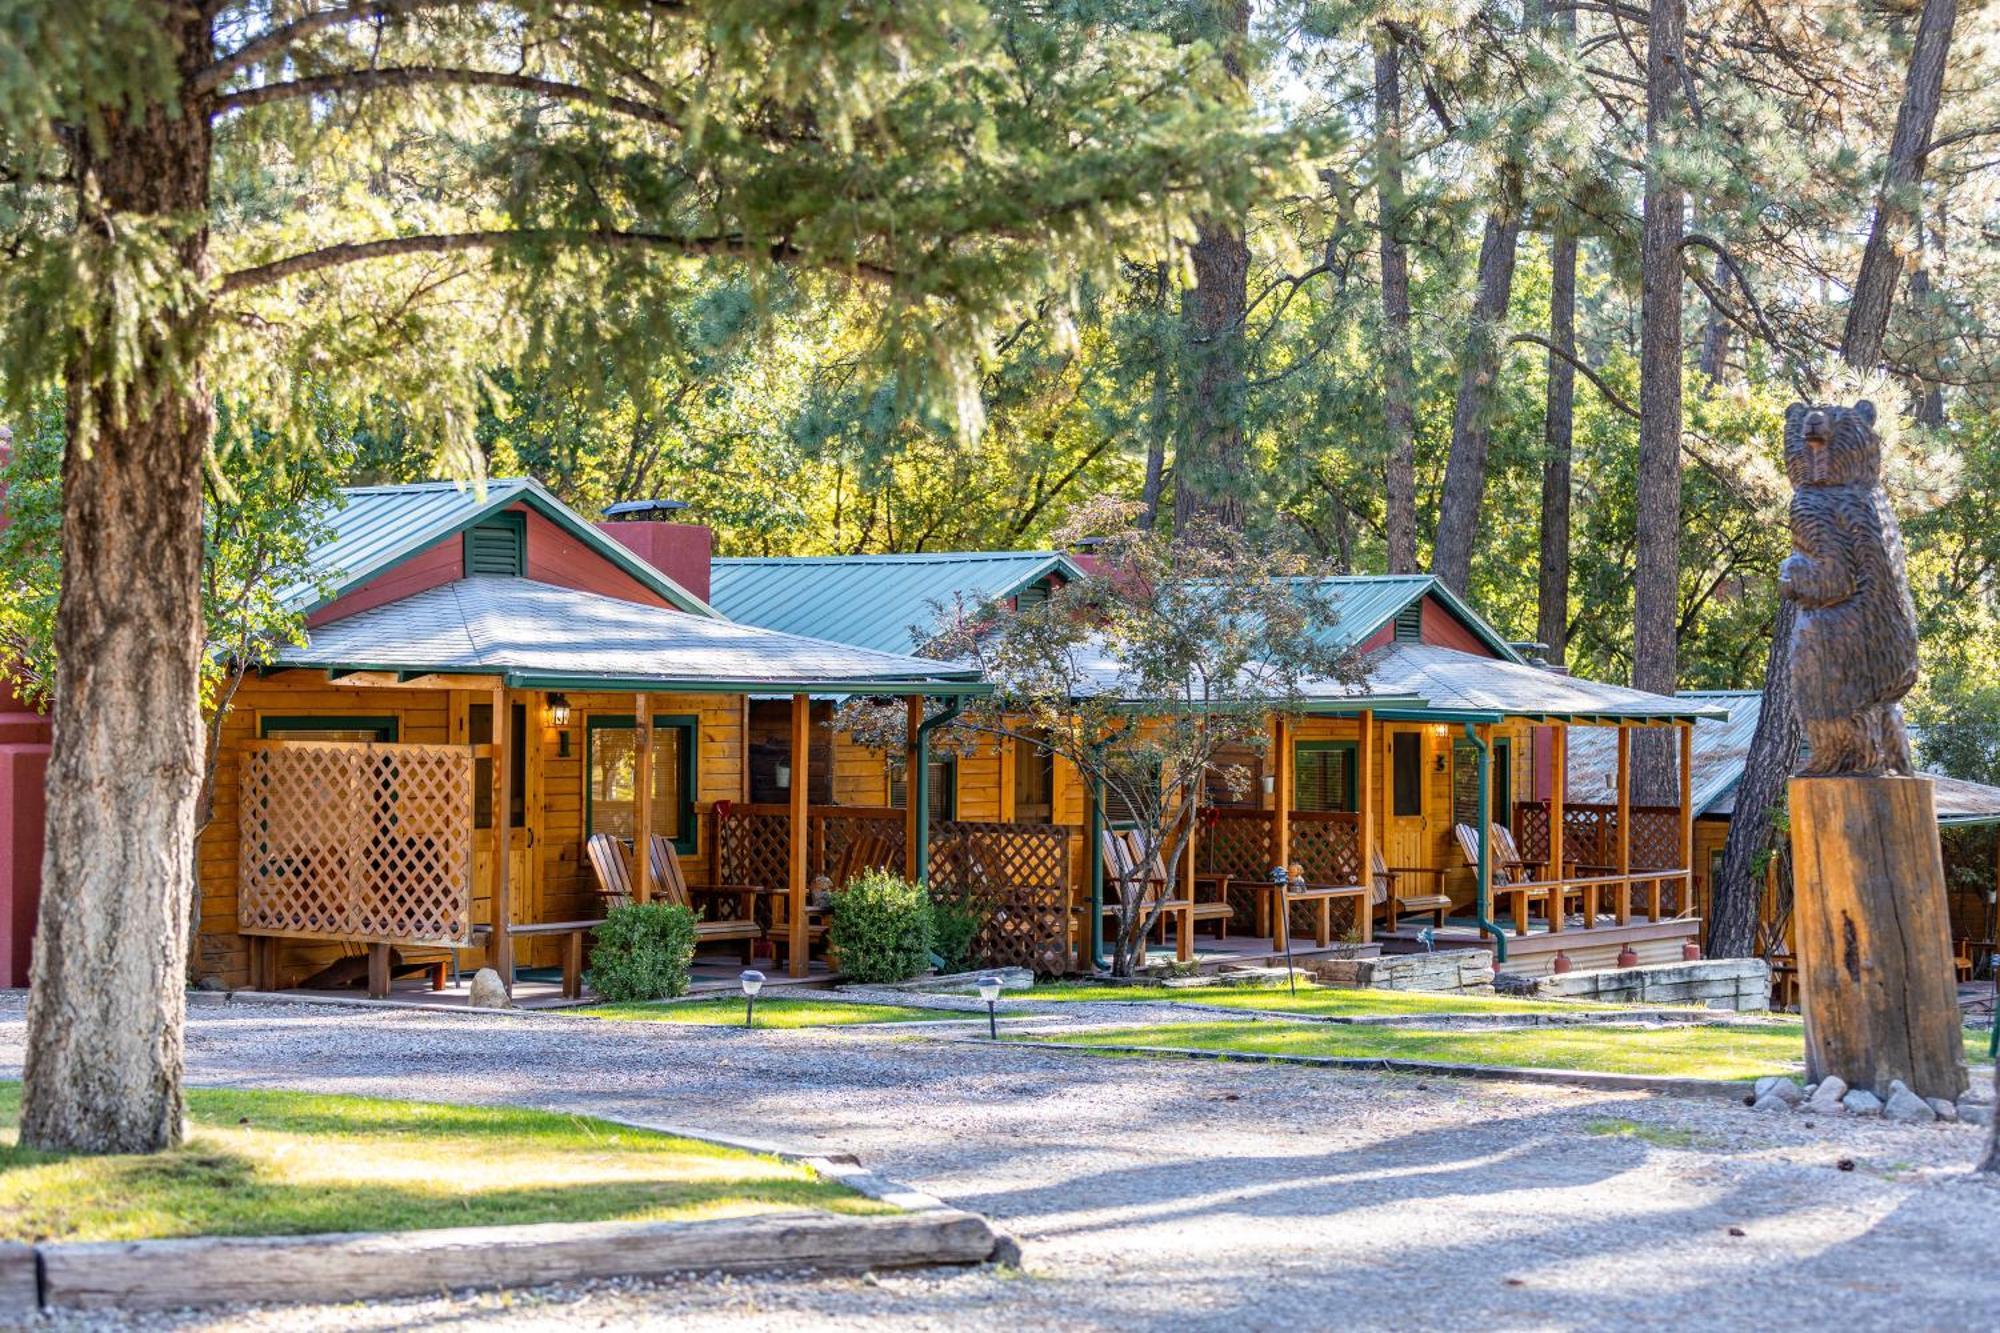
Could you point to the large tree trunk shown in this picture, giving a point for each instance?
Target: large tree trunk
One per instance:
(1478, 376)
(1656, 573)
(1896, 203)
(1211, 474)
(1774, 748)
(107, 1001)
(1399, 413)
(1558, 424)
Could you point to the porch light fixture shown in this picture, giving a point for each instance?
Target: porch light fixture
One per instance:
(558, 710)
(989, 991)
(1270, 784)
(753, 981)
(784, 775)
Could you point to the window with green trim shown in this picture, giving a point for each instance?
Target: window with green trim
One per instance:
(611, 773)
(1324, 776)
(341, 727)
(497, 545)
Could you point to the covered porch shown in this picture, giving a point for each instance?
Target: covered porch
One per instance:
(414, 794)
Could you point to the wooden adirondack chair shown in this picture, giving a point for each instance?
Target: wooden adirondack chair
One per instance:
(671, 882)
(614, 886)
(1393, 903)
(863, 852)
(1510, 874)
(1122, 866)
(1216, 909)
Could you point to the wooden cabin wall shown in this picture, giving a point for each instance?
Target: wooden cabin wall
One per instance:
(551, 879)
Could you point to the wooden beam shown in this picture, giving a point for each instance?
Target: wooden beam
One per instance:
(1184, 930)
(1558, 805)
(911, 724)
(503, 812)
(1281, 823)
(642, 797)
(1624, 822)
(796, 941)
(1364, 781)
(1687, 812)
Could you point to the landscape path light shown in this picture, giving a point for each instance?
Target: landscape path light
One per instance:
(753, 981)
(989, 991)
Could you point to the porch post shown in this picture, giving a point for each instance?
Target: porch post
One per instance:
(1281, 824)
(1558, 801)
(911, 776)
(1687, 814)
(642, 797)
(1364, 781)
(503, 810)
(1184, 933)
(796, 943)
(1624, 823)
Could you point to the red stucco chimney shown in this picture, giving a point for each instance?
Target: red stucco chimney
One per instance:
(681, 551)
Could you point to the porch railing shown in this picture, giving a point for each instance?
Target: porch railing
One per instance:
(347, 840)
(1016, 875)
(1590, 845)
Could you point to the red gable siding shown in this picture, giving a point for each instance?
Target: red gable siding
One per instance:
(1440, 627)
(554, 556)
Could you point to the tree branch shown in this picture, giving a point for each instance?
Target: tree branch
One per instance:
(354, 252)
(404, 76)
(1610, 395)
(282, 39)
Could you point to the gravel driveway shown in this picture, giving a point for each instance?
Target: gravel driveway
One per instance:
(1199, 1195)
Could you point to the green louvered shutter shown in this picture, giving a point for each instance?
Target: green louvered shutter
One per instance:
(497, 546)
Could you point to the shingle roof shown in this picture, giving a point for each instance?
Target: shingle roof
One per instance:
(871, 601)
(1722, 747)
(538, 634)
(1457, 682)
(375, 527)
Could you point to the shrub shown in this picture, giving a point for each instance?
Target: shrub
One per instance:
(881, 928)
(642, 952)
(953, 926)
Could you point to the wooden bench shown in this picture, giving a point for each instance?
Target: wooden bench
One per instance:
(1323, 896)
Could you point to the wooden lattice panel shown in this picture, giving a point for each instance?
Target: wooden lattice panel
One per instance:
(1328, 847)
(1236, 843)
(1017, 876)
(754, 846)
(354, 841)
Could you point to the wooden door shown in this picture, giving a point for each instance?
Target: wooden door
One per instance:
(1404, 765)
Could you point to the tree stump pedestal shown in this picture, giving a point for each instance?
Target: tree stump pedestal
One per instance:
(1874, 939)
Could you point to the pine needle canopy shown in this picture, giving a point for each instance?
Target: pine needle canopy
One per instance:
(405, 194)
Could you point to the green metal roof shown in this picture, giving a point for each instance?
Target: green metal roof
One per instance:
(376, 528)
(883, 602)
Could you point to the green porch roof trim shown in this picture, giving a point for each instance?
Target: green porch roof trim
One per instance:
(377, 528)
(871, 601)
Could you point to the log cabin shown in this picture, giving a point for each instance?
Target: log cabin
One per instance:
(485, 681)
(1452, 721)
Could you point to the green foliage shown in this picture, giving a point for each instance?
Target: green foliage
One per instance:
(265, 513)
(642, 952)
(881, 928)
(954, 924)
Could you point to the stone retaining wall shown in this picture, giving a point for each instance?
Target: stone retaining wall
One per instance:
(1446, 970)
(1719, 983)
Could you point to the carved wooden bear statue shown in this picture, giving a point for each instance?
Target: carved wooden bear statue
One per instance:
(1854, 645)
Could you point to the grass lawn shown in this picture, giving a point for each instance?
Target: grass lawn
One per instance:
(1689, 1052)
(1312, 999)
(772, 1012)
(281, 1163)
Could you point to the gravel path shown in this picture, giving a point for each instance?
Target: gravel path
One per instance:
(1192, 1194)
